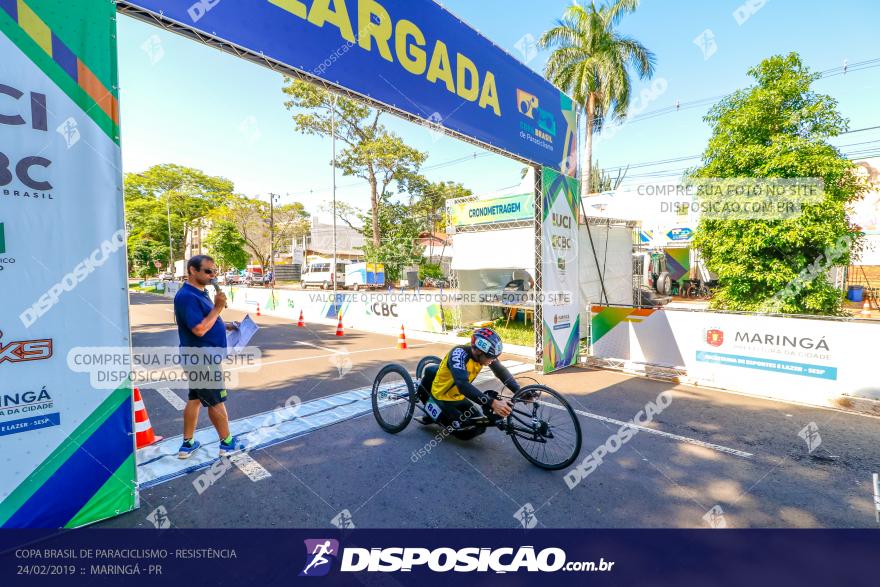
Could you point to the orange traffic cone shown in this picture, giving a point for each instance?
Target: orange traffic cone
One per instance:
(144, 434)
(301, 323)
(401, 339)
(866, 309)
(339, 327)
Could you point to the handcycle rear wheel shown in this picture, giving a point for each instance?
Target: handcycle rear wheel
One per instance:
(424, 362)
(394, 398)
(545, 430)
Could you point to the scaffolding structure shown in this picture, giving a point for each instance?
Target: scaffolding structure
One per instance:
(258, 58)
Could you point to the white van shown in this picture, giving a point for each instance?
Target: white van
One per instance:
(317, 274)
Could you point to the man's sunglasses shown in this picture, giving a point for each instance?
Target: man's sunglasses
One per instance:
(208, 271)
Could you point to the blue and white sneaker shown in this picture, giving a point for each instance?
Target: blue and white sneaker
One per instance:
(188, 448)
(234, 446)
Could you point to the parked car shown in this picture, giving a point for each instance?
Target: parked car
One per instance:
(231, 278)
(251, 279)
(318, 274)
(167, 276)
(440, 282)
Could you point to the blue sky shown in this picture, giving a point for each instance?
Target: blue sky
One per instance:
(188, 104)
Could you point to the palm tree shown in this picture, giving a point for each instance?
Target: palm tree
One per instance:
(591, 62)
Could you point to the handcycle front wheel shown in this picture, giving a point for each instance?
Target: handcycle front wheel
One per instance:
(393, 398)
(544, 428)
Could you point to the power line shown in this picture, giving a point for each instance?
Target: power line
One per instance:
(678, 106)
(472, 157)
(686, 158)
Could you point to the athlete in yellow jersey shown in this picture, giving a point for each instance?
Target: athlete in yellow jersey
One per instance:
(450, 386)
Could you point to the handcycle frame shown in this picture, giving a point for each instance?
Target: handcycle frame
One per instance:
(519, 424)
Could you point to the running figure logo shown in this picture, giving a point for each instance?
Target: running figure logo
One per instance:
(320, 555)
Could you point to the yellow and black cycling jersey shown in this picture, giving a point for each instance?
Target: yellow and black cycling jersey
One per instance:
(456, 373)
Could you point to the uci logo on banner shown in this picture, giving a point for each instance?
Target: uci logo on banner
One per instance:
(20, 170)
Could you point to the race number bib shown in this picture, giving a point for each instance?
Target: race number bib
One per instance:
(433, 409)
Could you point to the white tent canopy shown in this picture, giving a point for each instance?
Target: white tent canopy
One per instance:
(495, 249)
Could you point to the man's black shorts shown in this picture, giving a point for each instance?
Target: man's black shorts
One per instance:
(208, 397)
(207, 385)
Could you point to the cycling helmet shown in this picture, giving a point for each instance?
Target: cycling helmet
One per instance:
(488, 341)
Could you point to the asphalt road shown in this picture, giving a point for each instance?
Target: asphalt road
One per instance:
(709, 458)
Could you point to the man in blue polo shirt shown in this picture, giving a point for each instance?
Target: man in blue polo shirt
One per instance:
(202, 348)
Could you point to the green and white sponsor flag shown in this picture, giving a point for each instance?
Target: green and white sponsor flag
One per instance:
(67, 448)
(559, 242)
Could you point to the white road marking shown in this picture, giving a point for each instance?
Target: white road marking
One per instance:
(320, 348)
(687, 439)
(247, 465)
(264, 364)
(876, 479)
(158, 463)
(151, 381)
(173, 399)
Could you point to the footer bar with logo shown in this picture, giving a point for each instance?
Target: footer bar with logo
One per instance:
(427, 557)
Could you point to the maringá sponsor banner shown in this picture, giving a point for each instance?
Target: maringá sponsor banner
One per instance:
(802, 359)
(68, 448)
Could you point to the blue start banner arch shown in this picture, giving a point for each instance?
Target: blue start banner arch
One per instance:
(412, 56)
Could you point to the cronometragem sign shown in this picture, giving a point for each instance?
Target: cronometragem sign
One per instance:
(411, 55)
(505, 209)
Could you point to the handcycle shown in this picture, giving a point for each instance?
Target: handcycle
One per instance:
(542, 425)
(700, 289)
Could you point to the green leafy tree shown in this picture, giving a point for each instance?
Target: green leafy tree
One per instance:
(251, 218)
(778, 128)
(399, 229)
(369, 150)
(188, 193)
(428, 202)
(142, 254)
(591, 61)
(430, 270)
(227, 246)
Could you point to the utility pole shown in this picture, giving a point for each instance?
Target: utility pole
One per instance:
(333, 164)
(272, 233)
(170, 242)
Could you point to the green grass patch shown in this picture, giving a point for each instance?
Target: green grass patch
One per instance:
(149, 290)
(514, 333)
